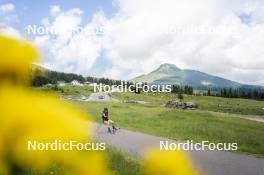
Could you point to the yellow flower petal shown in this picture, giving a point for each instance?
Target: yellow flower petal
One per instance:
(16, 58)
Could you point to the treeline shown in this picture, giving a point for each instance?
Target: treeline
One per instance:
(52, 77)
(182, 89)
(247, 93)
(106, 81)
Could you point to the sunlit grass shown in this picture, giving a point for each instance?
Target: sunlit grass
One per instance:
(183, 125)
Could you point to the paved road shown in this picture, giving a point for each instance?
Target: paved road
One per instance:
(207, 162)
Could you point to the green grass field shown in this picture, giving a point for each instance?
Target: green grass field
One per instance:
(216, 104)
(183, 125)
(197, 125)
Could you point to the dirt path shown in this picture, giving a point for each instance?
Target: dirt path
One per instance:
(208, 162)
(247, 117)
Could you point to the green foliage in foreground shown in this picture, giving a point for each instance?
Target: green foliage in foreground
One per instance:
(184, 125)
(120, 164)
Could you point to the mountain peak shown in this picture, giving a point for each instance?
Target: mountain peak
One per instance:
(167, 68)
(171, 74)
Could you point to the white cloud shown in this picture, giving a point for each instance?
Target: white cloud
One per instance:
(6, 8)
(5, 17)
(220, 37)
(208, 35)
(55, 10)
(6, 13)
(9, 31)
(68, 51)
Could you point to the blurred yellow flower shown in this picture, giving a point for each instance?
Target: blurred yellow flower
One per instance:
(26, 115)
(16, 59)
(168, 163)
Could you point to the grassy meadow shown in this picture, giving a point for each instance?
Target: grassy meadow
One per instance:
(205, 103)
(216, 104)
(212, 121)
(183, 125)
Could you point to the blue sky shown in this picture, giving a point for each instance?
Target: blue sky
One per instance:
(32, 11)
